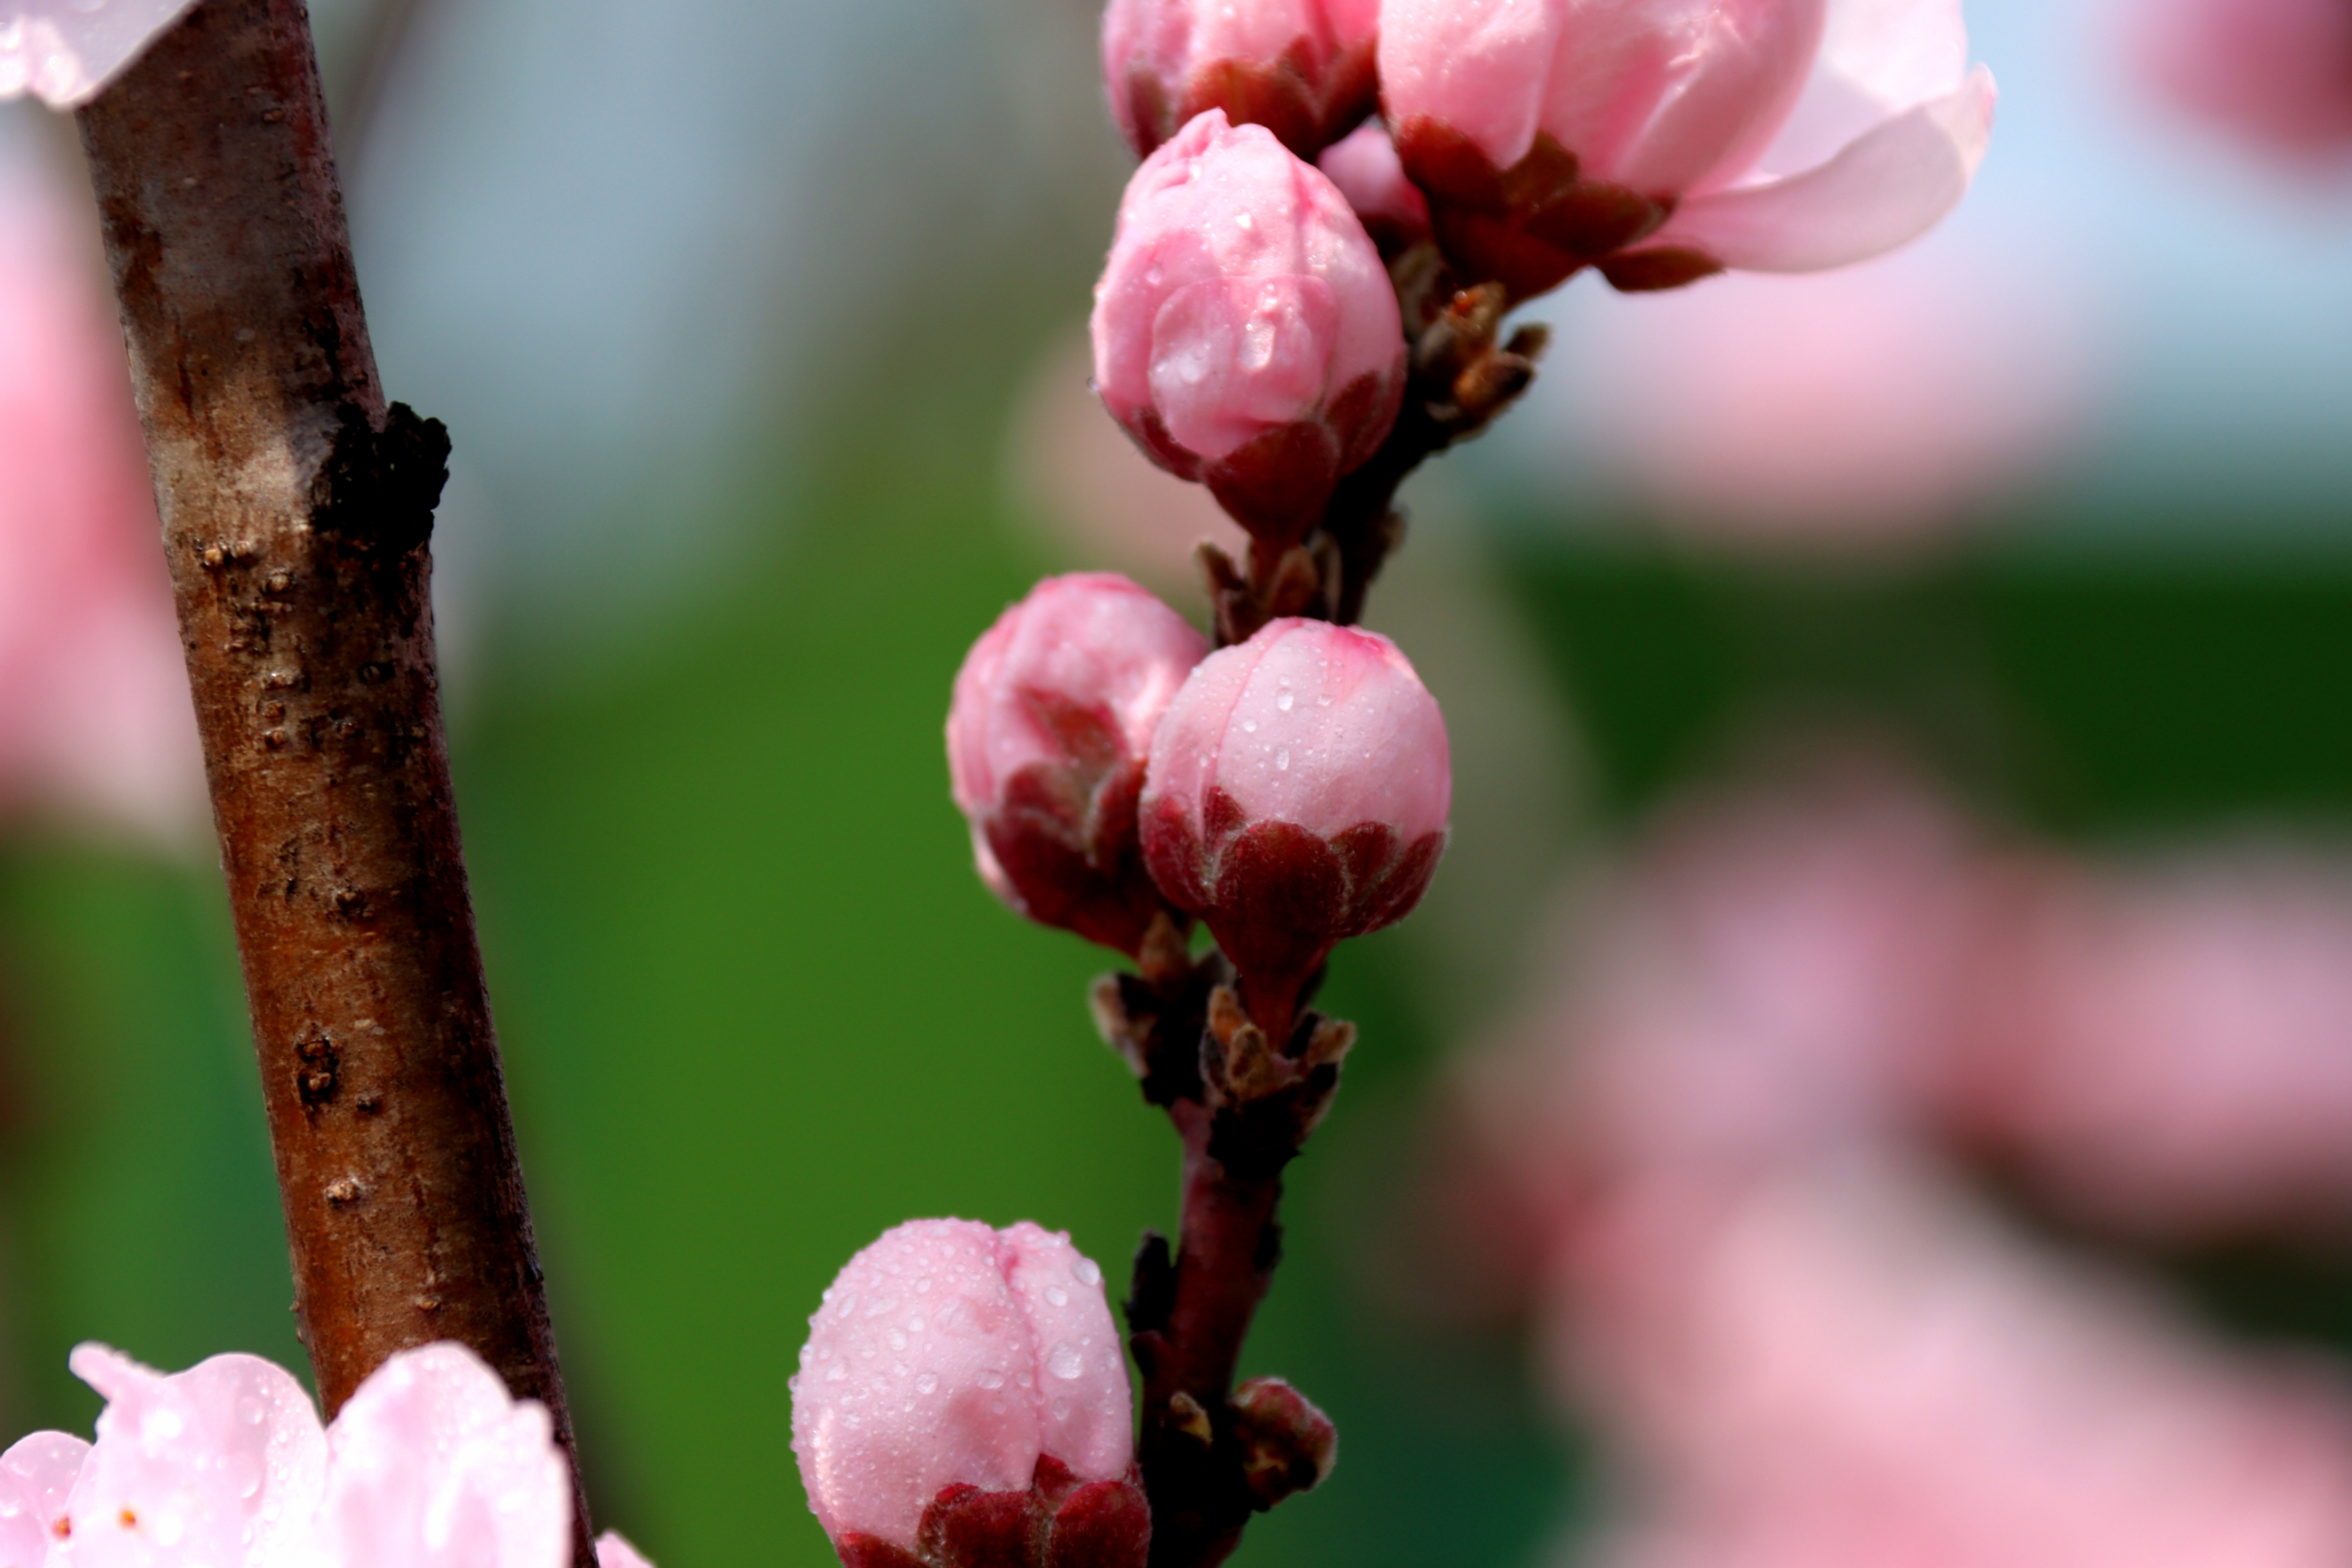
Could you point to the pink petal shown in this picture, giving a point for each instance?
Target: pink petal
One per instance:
(1231, 357)
(436, 1466)
(217, 1465)
(36, 1476)
(1878, 58)
(613, 1550)
(1083, 1406)
(65, 51)
(1478, 66)
(1669, 98)
(1889, 188)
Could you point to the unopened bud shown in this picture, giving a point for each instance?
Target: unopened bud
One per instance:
(1052, 716)
(1246, 332)
(1302, 68)
(1287, 1444)
(1297, 793)
(961, 1386)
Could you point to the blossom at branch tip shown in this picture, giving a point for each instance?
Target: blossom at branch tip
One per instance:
(429, 1465)
(1663, 140)
(1052, 716)
(1365, 168)
(1297, 793)
(2277, 74)
(94, 713)
(961, 1401)
(1302, 68)
(1246, 332)
(65, 51)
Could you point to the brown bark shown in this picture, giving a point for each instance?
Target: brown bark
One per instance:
(296, 511)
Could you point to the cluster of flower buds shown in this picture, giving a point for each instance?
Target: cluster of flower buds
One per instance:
(429, 1465)
(1290, 791)
(962, 1403)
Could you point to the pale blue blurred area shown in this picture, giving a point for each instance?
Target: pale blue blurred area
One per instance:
(622, 250)
(2212, 291)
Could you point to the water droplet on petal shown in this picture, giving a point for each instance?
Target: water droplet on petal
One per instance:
(1065, 1361)
(1056, 1296)
(1086, 1271)
(927, 1383)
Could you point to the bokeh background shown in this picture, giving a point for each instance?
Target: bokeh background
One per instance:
(753, 324)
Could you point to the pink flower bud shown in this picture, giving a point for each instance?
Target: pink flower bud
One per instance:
(1054, 712)
(1302, 68)
(1662, 141)
(1365, 168)
(1246, 332)
(961, 1386)
(1297, 793)
(64, 51)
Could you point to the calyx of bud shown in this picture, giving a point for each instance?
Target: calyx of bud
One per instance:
(1302, 68)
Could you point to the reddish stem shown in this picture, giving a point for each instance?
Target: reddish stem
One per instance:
(295, 508)
(1227, 1247)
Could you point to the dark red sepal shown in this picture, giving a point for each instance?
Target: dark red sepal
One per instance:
(968, 1528)
(860, 1551)
(1105, 1524)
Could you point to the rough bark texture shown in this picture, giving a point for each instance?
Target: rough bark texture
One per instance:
(296, 511)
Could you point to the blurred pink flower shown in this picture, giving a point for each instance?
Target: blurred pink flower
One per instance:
(1297, 793)
(64, 51)
(1097, 497)
(2275, 73)
(429, 1465)
(1878, 406)
(94, 709)
(1246, 332)
(2170, 1051)
(1845, 1365)
(1661, 142)
(955, 1375)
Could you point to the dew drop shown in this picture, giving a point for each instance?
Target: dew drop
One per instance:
(1241, 220)
(927, 1383)
(1065, 1361)
(1281, 760)
(838, 1371)
(1086, 1271)
(1061, 1410)
(1284, 698)
(1056, 1296)
(1249, 726)
(990, 1379)
(898, 1340)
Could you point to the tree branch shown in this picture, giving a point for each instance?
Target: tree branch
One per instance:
(297, 508)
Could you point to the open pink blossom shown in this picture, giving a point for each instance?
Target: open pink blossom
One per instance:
(94, 712)
(962, 1385)
(2275, 73)
(1879, 408)
(1302, 68)
(65, 51)
(1663, 140)
(1365, 168)
(1054, 712)
(1297, 793)
(430, 1465)
(1246, 332)
(2169, 1049)
(1845, 1364)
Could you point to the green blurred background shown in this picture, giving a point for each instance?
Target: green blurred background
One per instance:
(755, 1007)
